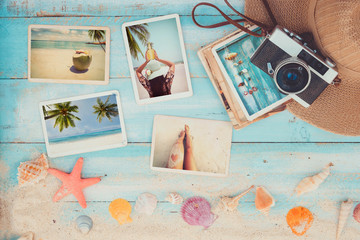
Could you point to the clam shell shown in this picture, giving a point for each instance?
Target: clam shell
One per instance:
(146, 203)
(120, 210)
(174, 198)
(197, 211)
(33, 171)
(84, 223)
(263, 200)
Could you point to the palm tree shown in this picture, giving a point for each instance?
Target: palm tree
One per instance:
(107, 109)
(141, 32)
(63, 113)
(97, 35)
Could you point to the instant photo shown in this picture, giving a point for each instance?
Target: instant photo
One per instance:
(68, 54)
(83, 124)
(255, 91)
(157, 59)
(191, 146)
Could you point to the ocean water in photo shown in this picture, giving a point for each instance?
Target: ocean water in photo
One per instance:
(84, 136)
(74, 45)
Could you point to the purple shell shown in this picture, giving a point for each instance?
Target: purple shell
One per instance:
(356, 213)
(197, 211)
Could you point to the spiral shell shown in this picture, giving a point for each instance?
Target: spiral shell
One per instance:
(231, 203)
(84, 223)
(344, 213)
(174, 198)
(197, 211)
(146, 203)
(33, 171)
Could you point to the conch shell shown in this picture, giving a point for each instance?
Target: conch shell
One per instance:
(174, 198)
(263, 200)
(345, 209)
(120, 209)
(309, 184)
(33, 171)
(231, 203)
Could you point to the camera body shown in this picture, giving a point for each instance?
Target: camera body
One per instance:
(295, 68)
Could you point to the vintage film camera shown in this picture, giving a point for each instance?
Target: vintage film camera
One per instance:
(295, 68)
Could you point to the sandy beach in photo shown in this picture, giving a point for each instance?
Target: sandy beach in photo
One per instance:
(211, 141)
(57, 64)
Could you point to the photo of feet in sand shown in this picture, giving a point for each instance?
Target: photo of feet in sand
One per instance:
(190, 145)
(157, 59)
(69, 54)
(83, 124)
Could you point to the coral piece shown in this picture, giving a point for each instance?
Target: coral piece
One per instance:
(356, 213)
(174, 198)
(84, 224)
(344, 213)
(309, 184)
(120, 210)
(33, 171)
(73, 183)
(263, 200)
(299, 220)
(197, 211)
(231, 203)
(146, 203)
(27, 236)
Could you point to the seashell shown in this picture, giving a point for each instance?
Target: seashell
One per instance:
(231, 203)
(344, 213)
(356, 213)
(84, 223)
(299, 220)
(33, 171)
(27, 236)
(174, 198)
(231, 56)
(263, 200)
(197, 211)
(120, 209)
(146, 203)
(309, 184)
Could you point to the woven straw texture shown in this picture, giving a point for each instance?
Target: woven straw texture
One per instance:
(335, 25)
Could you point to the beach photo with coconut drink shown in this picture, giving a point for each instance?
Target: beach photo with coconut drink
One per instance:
(157, 59)
(68, 54)
(83, 124)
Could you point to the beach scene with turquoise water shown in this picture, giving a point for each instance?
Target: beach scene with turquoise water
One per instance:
(89, 123)
(68, 54)
(256, 89)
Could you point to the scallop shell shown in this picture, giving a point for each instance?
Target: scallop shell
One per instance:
(356, 213)
(345, 209)
(263, 200)
(33, 171)
(120, 209)
(84, 223)
(309, 184)
(231, 203)
(146, 203)
(27, 236)
(197, 211)
(174, 198)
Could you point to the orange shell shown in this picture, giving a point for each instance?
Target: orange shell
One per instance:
(263, 200)
(120, 209)
(300, 220)
(33, 171)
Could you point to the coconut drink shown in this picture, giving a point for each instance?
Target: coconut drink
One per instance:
(82, 60)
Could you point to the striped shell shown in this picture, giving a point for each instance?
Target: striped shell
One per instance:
(33, 171)
(174, 198)
(197, 211)
(263, 200)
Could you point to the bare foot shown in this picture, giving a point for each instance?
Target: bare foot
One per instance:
(188, 139)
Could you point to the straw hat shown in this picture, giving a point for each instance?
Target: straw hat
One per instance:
(155, 69)
(335, 26)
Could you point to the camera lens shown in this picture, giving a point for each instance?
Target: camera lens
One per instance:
(292, 76)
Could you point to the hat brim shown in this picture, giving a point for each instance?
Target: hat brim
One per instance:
(161, 72)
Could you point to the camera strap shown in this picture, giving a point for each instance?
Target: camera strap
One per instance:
(264, 28)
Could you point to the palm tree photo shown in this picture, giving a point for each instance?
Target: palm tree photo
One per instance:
(63, 113)
(105, 109)
(141, 32)
(97, 35)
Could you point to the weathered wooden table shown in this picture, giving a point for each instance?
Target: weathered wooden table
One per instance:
(276, 152)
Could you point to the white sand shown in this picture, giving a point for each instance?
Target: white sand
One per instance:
(86, 145)
(56, 64)
(211, 142)
(179, 84)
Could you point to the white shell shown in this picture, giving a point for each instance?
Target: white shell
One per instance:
(309, 184)
(345, 210)
(27, 236)
(146, 203)
(174, 198)
(84, 223)
(231, 203)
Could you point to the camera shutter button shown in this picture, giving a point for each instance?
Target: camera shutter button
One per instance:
(330, 62)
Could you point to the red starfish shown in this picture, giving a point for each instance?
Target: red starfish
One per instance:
(73, 183)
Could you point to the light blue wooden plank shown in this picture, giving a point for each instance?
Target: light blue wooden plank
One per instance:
(20, 121)
(14, 49)
(39, 8)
